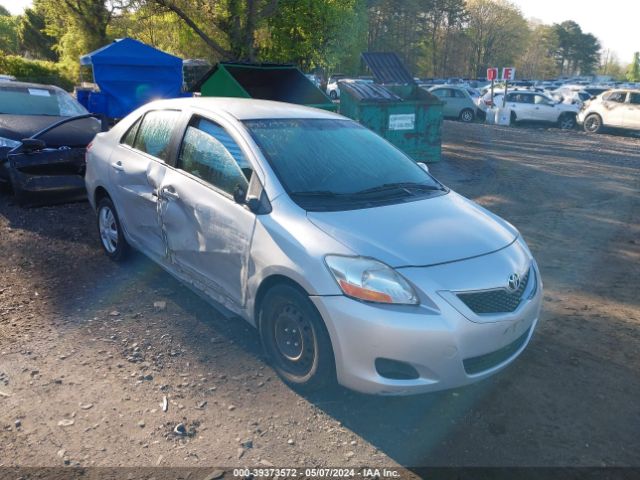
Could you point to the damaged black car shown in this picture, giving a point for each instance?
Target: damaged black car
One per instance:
(44, 133)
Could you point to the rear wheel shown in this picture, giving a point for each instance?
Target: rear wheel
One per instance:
(295, 339)
(567, 121)
(333, 95)
(593, 123)
(110, 231)
(467, 115)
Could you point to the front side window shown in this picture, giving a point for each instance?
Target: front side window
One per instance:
(541, 100)
(442, 92)
(209, 153)
(154, 134)
(334, 164)
(634, 98)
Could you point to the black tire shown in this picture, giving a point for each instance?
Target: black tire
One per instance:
(567, 121)
(593, 123)
(112, 240)
(333, 95)
(514, 117)
(295, 339)
(467, 115)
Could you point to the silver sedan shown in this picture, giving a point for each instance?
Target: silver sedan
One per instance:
(353, 262)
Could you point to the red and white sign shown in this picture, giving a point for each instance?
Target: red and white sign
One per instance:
(492, 73)
(508, 73)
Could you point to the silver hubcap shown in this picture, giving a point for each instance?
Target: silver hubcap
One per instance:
(108, 229)
(466, 116)
(593, 123)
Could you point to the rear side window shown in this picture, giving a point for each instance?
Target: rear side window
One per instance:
(458, 94)
(634, 98)
(130, 136)
(154, 134)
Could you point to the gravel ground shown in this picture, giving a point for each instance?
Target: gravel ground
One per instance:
(87, 359)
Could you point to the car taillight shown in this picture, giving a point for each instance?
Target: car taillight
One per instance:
(488, 103)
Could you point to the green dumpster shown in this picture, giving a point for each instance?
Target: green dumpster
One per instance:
(406, 115)
(282, 83)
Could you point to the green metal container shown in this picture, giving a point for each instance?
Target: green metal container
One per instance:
(282, 83)
(406, 115)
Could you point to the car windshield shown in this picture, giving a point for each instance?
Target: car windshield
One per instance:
(38, 100)
(334, 164)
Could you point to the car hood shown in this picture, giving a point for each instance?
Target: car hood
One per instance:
(427, 232)
(78, 133)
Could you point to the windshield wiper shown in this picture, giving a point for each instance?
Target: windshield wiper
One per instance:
(318, 194)
(408, 187)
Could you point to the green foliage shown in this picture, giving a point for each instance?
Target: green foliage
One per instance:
(9, 42)
(316, 34)
(633, 73)
(37, 71)
(34, 40)
(577, 52)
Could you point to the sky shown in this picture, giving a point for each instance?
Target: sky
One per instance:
(614, 22)
(615, 25)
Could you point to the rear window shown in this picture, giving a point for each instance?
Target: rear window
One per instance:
(35, 100)
(154, 134)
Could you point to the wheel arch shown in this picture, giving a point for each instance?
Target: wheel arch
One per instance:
(268, 283)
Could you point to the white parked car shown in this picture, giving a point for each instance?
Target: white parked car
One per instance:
(350, 259)
(614, 108)
(528, 105)
(333, 89)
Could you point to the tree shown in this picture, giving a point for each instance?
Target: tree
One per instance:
(34, 40)
(497, 32)
(633, 72)
(9, 43)
(537, 60)
(577, 52)
(314, 34)
(237, 21)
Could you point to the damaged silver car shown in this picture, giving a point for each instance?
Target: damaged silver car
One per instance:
(353, 262)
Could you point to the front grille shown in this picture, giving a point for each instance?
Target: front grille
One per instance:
(495, 301)
(481, 363)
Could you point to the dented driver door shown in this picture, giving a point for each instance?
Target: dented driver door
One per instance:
(208, 234)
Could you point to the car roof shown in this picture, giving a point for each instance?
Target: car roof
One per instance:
(246, 108)
(13, 83)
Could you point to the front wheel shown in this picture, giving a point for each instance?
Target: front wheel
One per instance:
(567, 122)
(593, 123)
(333, 95)
(295, 339)
(110, 231)
(467, 115)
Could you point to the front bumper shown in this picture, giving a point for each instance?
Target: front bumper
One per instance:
(447, 346)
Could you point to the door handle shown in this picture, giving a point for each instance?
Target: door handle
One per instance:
(118, 166)
(169, 192)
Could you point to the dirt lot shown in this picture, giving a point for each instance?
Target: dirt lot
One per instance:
(86, 358)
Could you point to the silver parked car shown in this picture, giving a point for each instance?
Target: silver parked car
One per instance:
(458, 102)
(353, 262)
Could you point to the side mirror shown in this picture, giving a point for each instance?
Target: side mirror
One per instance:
(33, 144)
(239, 195)
(423, 166)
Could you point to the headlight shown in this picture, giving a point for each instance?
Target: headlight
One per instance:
(7, 142)
(370, 280)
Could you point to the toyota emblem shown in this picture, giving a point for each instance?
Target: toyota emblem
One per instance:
(514, 282)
